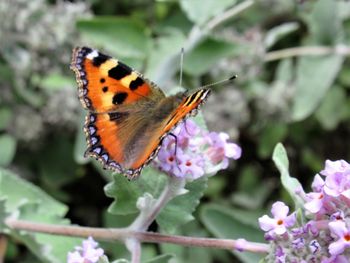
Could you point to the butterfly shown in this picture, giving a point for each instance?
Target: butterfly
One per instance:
(128, 115)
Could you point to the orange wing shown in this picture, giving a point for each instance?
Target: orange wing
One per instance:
(104, 83)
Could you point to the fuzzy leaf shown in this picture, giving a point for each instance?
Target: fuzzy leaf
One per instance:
(179, 210)
(161, 259)
(127, 192)
(224, 223)
(7, 149)
(106, 32)
(31, 203)
(204, 56)
(315, 75)
(291, 184)
(199, 13)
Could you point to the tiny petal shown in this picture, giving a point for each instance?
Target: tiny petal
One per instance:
(336, 247)
(267, 223)
(279, 210)
(338, 228)
(290, 220)
(74, 257)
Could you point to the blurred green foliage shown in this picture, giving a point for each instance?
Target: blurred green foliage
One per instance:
(293, 87)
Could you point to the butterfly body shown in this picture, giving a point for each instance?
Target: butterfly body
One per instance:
(128, 115)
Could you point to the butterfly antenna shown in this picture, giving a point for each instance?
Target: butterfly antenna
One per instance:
(220, 82)
(181, 65)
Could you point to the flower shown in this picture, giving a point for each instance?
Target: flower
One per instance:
(339, 229)
(191, 152)
(323, 233)
(281, 220)
(88, 253)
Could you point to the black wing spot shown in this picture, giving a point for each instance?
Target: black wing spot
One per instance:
(105, 89)
(100, 59)
(118, 117)
(136, 83)
(120, 71)
(119, 97)
(102, 80)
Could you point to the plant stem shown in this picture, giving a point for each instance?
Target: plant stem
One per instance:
(134, 247)
(147, 216)
(113, 234)
(307, 51)
(3, 246)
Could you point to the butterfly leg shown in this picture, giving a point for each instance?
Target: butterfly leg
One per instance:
(176, 160)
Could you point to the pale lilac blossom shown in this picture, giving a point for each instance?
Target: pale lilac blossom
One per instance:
(192, 152)
(280, 221)
(88, 253)
(323, 233)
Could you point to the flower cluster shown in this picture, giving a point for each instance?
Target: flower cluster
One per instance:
(88, 253)
(324, 236)
(192, 152)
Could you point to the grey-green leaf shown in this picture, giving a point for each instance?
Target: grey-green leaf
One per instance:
(315, 75)
(7, 149)
(289, 183)
(224, 223)
(199, 13)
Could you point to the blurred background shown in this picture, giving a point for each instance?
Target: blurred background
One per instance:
(293, 86)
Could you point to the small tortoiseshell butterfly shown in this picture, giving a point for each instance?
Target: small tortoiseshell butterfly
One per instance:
(128, 115)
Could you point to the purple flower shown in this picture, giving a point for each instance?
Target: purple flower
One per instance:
(333, 167)
(281, 220)
(315, 202)
(88, 253)
(337, 184)
(195, 152)
(220, 150)
(339, 229)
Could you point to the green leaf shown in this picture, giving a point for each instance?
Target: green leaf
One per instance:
(206, 54)
(161, 259)
(200, 12)
(7, 149)
(5, 117)
(278, 32)
(179, 210)
(164, 59)
(333, 108)
(121, 36)
(325, 23)
(289, 183)
(315, 75)
(18, 192)
(127, 192)
(271, 135)
(30, 203)
(54, 81)
(223, 223)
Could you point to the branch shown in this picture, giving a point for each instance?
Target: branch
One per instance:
(113, 234)
(307, 51)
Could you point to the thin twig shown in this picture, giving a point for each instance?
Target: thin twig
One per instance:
(113, 234)
(228, 14)
(134, 247)
(3, 247)
(307, 51)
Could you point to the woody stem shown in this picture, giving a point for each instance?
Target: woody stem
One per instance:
(113, 234)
